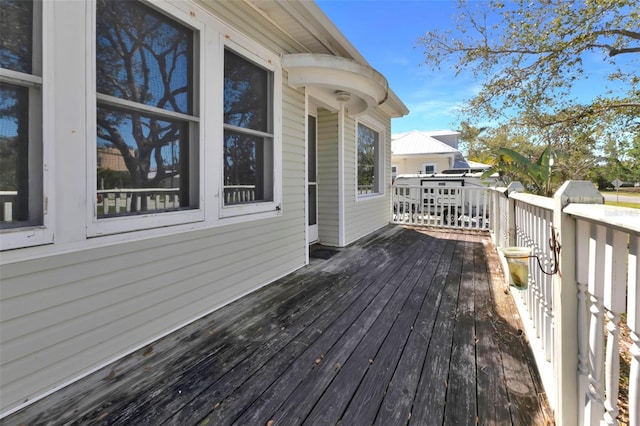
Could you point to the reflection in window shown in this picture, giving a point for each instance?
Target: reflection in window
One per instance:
(20, 115)
(368, 160)
(248, 134)
(145, 113)
(16, 53)
(14, 144)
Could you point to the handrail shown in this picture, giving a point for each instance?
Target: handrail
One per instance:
(568, 317)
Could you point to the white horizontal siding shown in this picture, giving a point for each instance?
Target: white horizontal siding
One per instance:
(365, 214)
(328, 222)
(63, 315)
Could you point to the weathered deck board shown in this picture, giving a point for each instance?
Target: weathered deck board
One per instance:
(406, 326)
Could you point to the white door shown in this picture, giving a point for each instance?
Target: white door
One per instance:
(312, 180)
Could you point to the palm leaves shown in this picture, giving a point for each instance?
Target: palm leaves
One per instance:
(534, 175)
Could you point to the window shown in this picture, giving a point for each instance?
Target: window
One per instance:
(147, 115)
(21, 121)
(369, 161)
(248, 132)
(428, 168)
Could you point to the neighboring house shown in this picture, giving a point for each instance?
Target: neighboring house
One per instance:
(425, 152)
(271, 127)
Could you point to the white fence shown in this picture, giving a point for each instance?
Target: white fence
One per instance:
(7, 200)
(450, 207)
(576, 315)
(236, 194)
(119, 201)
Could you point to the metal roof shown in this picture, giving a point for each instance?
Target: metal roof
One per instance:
(419, 143)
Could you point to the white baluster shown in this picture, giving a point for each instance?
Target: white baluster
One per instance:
(614, 301)
(582, 277)
(595, 402)
(633, 321)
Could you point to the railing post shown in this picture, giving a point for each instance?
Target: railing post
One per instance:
(568, 408)
(511, 212)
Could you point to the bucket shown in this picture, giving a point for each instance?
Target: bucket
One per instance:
(518, 263)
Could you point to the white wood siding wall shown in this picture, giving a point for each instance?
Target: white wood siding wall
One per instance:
(63, 314)
(365, 214)
(328, 223)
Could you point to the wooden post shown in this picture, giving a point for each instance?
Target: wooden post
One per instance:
(567, 406)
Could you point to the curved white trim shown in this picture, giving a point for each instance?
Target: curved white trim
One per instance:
(368, 88)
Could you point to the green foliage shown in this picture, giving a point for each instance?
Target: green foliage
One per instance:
(530, 55)
(528, 58)
(108, 179)
(536, 175)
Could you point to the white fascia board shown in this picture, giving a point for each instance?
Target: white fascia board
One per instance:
(368, 88)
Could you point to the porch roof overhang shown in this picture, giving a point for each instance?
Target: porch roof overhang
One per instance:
(336, 79)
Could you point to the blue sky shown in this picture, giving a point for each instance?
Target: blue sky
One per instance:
(386, 33)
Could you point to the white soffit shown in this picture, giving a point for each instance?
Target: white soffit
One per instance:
(331, 74)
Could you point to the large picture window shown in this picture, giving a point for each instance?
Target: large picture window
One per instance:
(248, 132)
(21, 179)
(369, 156)
(147, 120)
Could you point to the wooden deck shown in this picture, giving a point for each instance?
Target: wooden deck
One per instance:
(404, 327)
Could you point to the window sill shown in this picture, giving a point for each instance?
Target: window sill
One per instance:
(17, 238)
(142, 222)
(368, 197)
(250, 210)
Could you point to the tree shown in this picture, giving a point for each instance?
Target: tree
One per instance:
(536, 176)
(482, 144)
(531, 55)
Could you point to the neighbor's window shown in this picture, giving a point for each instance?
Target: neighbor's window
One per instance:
(20, 114)
(147, 123)
(248, 131)
(369, 169)
(428, 168)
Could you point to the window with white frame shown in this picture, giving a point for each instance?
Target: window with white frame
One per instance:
(147, 115)
(369, 157)
(21, 85)
(428, 168)
(248, 131)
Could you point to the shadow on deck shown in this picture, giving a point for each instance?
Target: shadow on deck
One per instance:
(404, 326)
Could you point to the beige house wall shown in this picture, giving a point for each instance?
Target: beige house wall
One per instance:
(413, 164)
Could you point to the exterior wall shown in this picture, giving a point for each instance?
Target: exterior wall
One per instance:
(70, 307)
(413, 164)
(365, 214)
(328, 211)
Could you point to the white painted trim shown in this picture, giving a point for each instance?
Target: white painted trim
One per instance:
(306, 176)
(149, 110)
(378, 127)
(341, 180)
(30, 236)
(105, 226)
(435, 167)
(271, 62)
(20, 78)
(366, 86)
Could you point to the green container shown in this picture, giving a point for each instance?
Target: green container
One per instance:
(518, 263)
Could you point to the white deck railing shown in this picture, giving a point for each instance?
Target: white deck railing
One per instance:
(119, 201)
(236, 194)
(7, 200)
(574, 313)
(460, 207)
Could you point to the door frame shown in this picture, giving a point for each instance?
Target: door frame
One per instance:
(311, 230)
